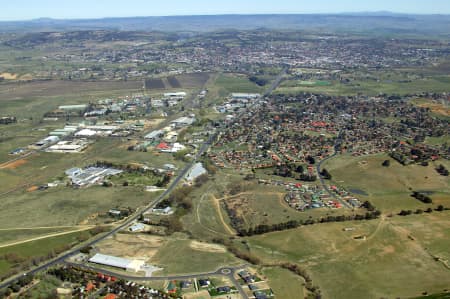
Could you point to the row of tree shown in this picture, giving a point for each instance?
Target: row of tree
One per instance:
(439, 208)
(422, 197)
(265, 228)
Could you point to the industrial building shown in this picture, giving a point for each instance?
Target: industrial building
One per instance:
(196, 170)
(245, 96)
(117, 262)
(182, 122)
(90, 176)
(72, 146)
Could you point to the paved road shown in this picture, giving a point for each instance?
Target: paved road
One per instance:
(228, 272)
(322, 180)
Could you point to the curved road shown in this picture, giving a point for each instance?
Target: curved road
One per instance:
(228, 272)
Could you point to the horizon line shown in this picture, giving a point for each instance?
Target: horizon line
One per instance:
(349, 13)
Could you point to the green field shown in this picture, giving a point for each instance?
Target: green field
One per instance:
(369, 87)
(177, 257)
(284, 283)
(38, 248)
(378, 267)
(8, 236)
(389, 188)
(226, 84)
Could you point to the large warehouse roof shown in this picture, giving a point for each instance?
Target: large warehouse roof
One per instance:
(118, 262)
(110, 260)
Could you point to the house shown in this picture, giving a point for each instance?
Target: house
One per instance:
(204, 283)
(185, 284)
(225, 289)
(162, 146)
(172, 287)
(165, 211)
(252, 287)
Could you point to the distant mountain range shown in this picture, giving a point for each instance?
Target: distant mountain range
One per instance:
(382, 22)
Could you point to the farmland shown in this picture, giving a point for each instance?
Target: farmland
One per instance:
(332, 252)
(389, 188)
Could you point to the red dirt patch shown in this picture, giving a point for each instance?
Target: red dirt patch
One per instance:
(13, 165)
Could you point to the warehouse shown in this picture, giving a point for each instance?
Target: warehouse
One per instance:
(117, 262)
(196, 171)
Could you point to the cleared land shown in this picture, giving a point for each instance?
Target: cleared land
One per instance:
(369, 87)
(39, 248)
(284, 283)
(389, 188)
(135, 246)
(379, 266)
(178, 256)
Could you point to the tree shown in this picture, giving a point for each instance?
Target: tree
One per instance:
(440, 208)
(386, 163)
(325, 174)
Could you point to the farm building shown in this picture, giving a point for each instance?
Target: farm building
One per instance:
(196, 171)
(117, 262)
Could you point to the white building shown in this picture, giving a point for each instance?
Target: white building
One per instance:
(196, 170)
(117, 262)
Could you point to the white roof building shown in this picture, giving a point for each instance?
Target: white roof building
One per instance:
(183, 121)
(86, 133)
(196, 170)
(245, 95)
(154, 134)
(175, 94)
(117, 262)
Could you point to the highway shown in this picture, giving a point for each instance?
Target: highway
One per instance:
(61, 258)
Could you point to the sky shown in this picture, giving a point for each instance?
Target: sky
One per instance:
(70, 9)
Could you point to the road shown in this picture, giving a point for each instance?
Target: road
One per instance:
(205, 146)
(228, 272)
(322, 180)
